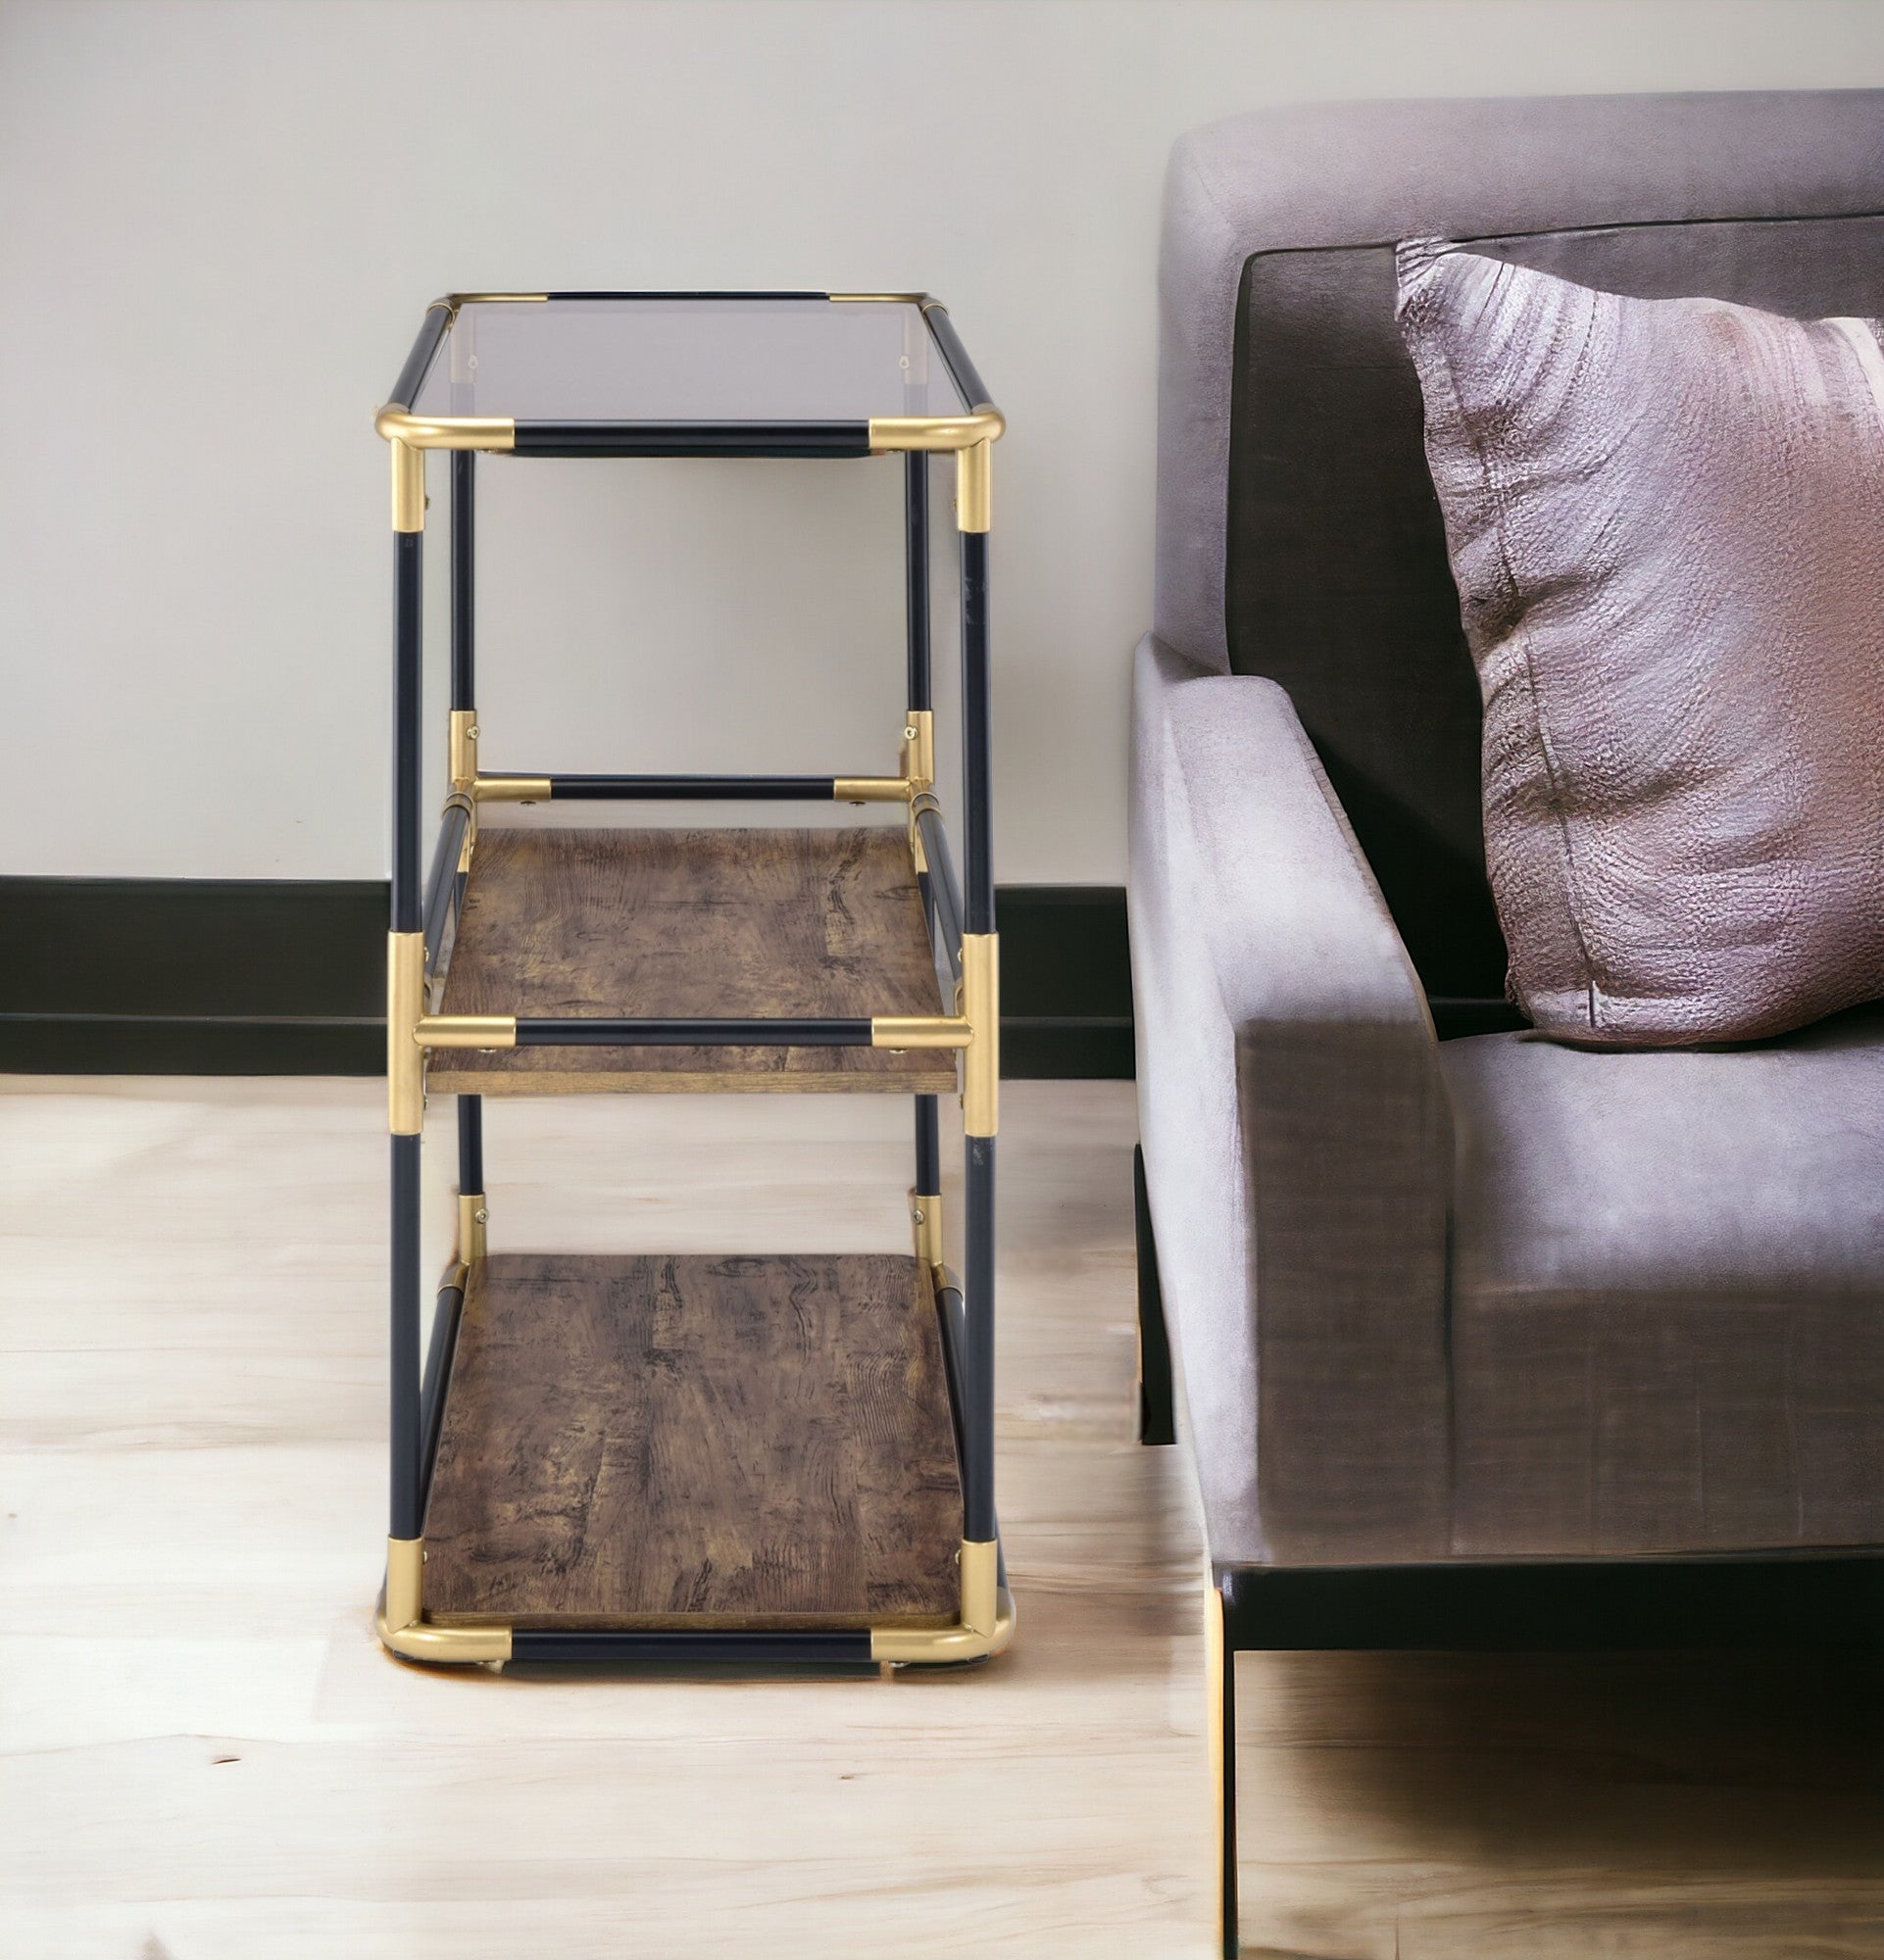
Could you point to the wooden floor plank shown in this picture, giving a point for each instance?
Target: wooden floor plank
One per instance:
(678, 922)
(707, 1442)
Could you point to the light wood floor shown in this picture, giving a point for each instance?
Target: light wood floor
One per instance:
(208, 1757)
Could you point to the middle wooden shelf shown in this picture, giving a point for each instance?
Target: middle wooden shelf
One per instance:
(749, 922)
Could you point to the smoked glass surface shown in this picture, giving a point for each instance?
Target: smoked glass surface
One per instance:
(636, 360)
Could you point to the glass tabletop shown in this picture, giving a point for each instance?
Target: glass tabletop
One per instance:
(688, 359)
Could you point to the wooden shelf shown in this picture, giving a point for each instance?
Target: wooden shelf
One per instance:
(696, 1441)
(678, 922)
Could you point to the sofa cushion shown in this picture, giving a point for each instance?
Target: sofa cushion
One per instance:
(1665, 519)
(1667, 1322)
(1299, 537)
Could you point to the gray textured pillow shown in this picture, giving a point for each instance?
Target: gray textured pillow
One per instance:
(1667, 526)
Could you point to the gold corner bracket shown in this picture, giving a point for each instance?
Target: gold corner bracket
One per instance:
(906, 1031)
(974, 487)
(464, 1030)
(474, 1219)
(925, 1228)
(464, 750)
(985, 1628)
(511, 789)
(401, 1623)
(982, 1005)
(404, 1008)
(984, 422)
(915, 765)
(408, 487)
(919, 751)
(404, 429)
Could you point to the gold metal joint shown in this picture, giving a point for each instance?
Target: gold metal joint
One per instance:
(925, 1227)
(980, 1572)
(405, 1581)
(918, 749)
(464, 748)
(983, 424)
(465, 1031)
(405, 430)
(405, 1007)
(869, 789)
(981, 1001)
(511, 789)
(473, 1216)
(876, 299)
(403, 1627)
(456, 299)
(906, 1031)
(974, 488)
(408, 487)
(986, 1626)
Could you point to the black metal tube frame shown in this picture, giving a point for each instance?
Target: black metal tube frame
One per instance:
(436, 1385)
(944, 894)
(591, 1031)
(684, 788)
(812, 439)
(443, 886)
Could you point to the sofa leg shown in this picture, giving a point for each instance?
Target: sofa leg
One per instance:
(1220, 1662)
(1157, 1418)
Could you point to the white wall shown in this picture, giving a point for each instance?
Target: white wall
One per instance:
(220, 222)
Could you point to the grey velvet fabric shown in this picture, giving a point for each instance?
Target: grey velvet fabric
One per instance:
(1298, 532)
(1668, 1321)
(1296, 1135)
(1665, 519)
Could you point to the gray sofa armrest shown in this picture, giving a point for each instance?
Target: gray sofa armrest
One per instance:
(1297, 1137)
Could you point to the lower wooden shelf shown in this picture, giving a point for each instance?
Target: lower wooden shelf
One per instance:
(696, 1441)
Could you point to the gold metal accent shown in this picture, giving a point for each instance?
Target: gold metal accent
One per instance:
(404, 1005)
(457, 1274)
(401, 1627)
(918, 749)
(902, 1031)
(400, 425)
(869, 789)
(985, 1628)
(408, 487)
(974, 488)
(888, 433)
(980, 1572)
(876, 299)
(511, 789)
(404, 1580)
(1218, 1657)
(981, 998)
(474, 1216)
(456, 299)
(925, 1227)
(465, 1031)
(464, 748)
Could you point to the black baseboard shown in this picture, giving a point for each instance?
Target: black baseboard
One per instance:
(186, 976)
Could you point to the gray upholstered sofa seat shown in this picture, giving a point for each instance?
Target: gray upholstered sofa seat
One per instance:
(1668, 1318)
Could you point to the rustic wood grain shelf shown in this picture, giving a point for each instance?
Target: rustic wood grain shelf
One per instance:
(722, 922)
(698, 1442)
